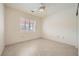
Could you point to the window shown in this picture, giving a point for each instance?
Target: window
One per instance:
(27, 25)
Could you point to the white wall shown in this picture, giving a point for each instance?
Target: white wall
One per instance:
(61, 26)
(12, 26)
(1, 28)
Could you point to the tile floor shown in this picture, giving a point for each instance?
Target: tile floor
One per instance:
(40, 47)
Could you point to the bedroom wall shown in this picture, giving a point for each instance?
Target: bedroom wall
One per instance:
(1, 28)
(61, 26)
(13, 33)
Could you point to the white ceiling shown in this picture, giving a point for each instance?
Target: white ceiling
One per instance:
(51, 8)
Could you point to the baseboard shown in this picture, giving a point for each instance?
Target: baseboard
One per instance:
(22, 41)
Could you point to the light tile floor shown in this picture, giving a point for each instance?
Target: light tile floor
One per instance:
(40, 47)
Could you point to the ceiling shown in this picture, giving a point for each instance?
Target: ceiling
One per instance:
(51, 8)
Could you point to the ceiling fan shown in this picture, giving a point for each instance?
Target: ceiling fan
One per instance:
(41, 8)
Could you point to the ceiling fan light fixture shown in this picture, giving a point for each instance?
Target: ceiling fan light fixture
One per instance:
(40, 9)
